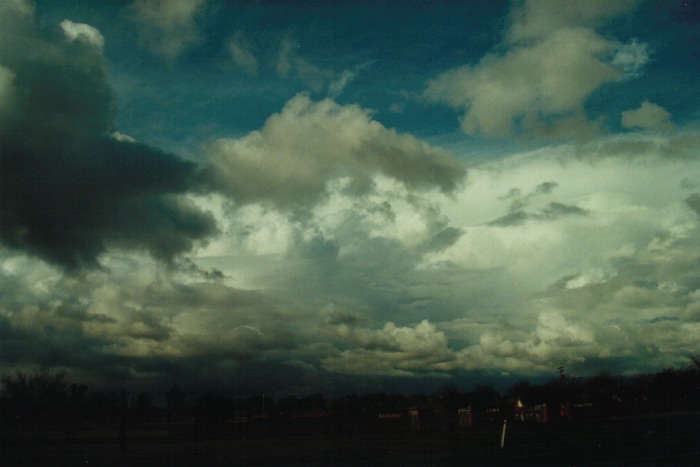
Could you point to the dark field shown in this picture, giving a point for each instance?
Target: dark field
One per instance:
(665, 439)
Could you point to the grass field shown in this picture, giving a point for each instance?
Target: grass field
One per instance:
(662, 439)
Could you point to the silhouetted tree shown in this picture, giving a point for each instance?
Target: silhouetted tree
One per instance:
(123, 413)
(678, 387)
(418, 400)
(695, 360)
(289, 405)
(103, 406)
(141, 407)
(449, 397)
(213, 408)
(447, 391)
(39, 397)
(77, 406)
(260, 405)
(521, 389)
(353, 405)
(641, 386)
(602, 387)
(484, 395)
(562, 390)
(313, 402)
(175, 402)
(383, 402)
(666, 384)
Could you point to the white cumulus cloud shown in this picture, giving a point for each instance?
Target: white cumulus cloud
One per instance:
(77, 31)
(554, 60)
(308, 144)
(648, 116)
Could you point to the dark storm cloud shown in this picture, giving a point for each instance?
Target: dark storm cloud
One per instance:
(52, 342)
(443, 239)
(511, 219)
(546, 187)
(693, 201)
(154, 332)
(519, 201)
(551, 212)
(557, 210)
(68, 187)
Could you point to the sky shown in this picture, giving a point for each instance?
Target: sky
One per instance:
(301, 197)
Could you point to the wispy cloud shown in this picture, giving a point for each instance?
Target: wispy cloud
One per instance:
(167, 27)
(241, 54)
(338, 85)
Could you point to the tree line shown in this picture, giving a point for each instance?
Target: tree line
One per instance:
(46, 397)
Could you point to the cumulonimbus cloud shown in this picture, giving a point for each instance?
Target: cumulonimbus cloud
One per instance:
(68, 188)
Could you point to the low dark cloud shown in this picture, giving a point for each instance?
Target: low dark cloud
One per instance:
(551, 212)
(511, 219)
(443, 239)
(693, 201)
(557, 210)
(519, 200)
(546, 187)
(68, 187)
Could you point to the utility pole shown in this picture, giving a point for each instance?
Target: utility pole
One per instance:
(561, 372)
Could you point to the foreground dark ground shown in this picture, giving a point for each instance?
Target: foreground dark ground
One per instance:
(652, 439)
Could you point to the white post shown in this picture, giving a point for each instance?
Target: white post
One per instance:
(503, 434)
